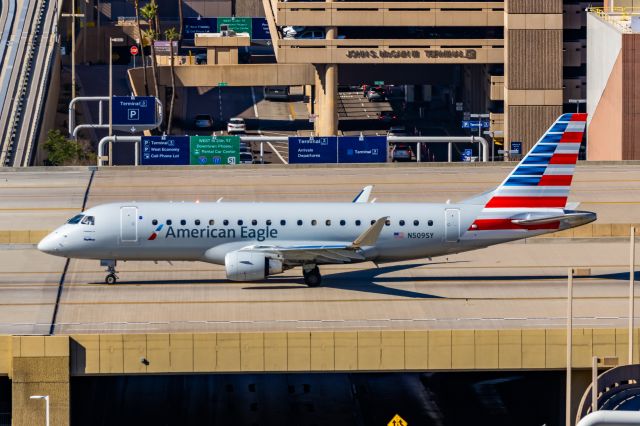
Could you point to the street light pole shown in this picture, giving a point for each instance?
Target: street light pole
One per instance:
(73, 15)
(111, 40)
(569, 345)
(46, 406)
(632, 267)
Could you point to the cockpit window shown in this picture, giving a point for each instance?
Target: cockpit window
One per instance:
(88, 220)
(75, 219)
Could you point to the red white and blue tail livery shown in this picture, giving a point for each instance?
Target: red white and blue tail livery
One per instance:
(533, 198)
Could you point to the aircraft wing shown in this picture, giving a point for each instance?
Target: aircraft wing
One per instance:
(299, 252)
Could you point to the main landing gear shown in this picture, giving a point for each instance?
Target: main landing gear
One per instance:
(312, 276)
(112, 276)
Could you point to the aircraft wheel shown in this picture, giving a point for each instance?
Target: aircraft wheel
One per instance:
(313, 277)
(111, 279)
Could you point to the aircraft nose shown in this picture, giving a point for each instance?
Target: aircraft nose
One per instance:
(50, 244)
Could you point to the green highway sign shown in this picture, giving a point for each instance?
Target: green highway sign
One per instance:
(378, 82)
(239, 25)
(223, 84)
(214, 150)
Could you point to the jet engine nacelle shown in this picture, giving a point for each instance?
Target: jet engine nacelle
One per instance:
(251, 265)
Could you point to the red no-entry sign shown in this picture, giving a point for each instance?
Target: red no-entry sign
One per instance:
(133, 50)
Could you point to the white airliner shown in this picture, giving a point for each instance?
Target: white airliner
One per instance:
(256, 240)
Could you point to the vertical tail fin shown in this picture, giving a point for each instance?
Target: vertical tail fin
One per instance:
(543, 177)
(540, 182)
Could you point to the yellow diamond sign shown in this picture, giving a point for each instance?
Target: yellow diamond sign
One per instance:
(397, 421)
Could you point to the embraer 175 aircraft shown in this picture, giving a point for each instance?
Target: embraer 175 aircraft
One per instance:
(255, 240)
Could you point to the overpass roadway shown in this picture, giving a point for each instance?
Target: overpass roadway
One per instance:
(518, 285)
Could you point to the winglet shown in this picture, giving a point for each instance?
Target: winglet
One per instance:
(370, 236)
(363, 196)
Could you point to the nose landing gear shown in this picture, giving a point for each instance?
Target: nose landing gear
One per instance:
(112, 276)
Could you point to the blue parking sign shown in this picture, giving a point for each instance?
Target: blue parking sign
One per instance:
(164, 150)
(133, 113)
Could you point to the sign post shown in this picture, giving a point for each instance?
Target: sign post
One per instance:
(134, 52)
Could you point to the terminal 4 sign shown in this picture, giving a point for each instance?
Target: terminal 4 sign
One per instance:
(189, 150)
(343, 149)
(134, 113)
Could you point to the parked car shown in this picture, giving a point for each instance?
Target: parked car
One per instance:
(308, 34)
(376, 94)
(201, 59)
(236, 125)
(246, 158)
(291, 31)
(203, 121)
(402, 152)
(276, 93)
(387, 116)
(245, 149)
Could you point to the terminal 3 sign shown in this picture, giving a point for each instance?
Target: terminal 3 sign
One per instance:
(470, 54)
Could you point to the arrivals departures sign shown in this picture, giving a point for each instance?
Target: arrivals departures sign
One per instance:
(189, 150)
(343, 149)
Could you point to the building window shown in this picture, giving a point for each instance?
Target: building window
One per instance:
(197, 222)
(401, 223)
(154, 222)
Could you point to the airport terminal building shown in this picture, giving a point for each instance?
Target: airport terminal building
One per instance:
(522, 62)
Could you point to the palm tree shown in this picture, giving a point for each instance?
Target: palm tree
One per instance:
(171, 34)
(180, 15)
(136, 5)
(150, 12)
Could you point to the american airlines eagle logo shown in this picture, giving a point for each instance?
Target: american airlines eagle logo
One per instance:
(154, 235)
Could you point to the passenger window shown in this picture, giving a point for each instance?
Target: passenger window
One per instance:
(358, 222)
(240, 222)
(154, 222)
(254, 222)
(283, 222)
(268, 222)
(183, 222)
(197, 222)
(212, 222)
(416, 222)
(343, 222)
(75, 219)
(225, 222)
(327, 222)
(401, 223)
(430, 223)
(314, 222)
(373, 221)
(169, 222)
(387, 222)
(299, 222)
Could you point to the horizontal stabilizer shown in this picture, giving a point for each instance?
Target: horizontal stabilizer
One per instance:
(573, 218)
